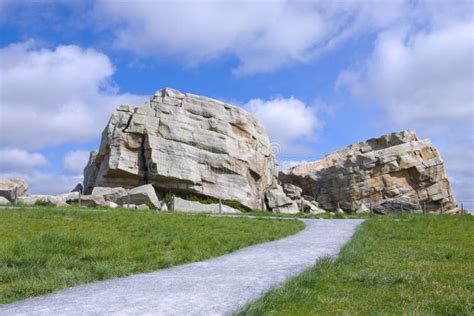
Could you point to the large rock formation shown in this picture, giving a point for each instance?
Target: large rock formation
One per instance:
(387, 173)
(184, 143)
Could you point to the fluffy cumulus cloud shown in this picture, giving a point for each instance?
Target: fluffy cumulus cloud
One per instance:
(50, 97)
(423, 77)
(427, 77)
(286, 120)
(75, 161)
(22, 160)
(262, 35)
(53, 96)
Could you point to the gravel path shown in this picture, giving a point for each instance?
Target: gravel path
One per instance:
(218, 286)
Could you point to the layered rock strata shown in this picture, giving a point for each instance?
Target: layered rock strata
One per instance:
(387, 174)
(184, 143)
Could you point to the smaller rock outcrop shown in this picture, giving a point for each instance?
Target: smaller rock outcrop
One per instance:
(144, 194)
(13, 188)
(279, 202)
(391, 173)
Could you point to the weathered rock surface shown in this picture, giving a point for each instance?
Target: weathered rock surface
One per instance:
(93, 200)
(71, 197)
(10, 187)
(4, 201)
(47, 199)
(279, 202)
(292, 191)
(363, 209)
(384, 172)
(185, 143)
(183, 205)
(389, 206)
(117, 195)
(144, 194)
(311, 207)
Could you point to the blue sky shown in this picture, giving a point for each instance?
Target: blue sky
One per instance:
(320, 75)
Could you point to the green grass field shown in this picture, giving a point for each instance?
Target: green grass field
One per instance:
(46, 249)
(419, 265)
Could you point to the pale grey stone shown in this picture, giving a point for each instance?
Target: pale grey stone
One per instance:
(182, 205)
(142, 207)
(4, 201)
(112, 204)
(363, 209)
(144, 194)
(292, 191)
(49, 199)
(339, 210)
(117, 195)
(10, 187)
(93, 200)
(312, 207)
(71, 197)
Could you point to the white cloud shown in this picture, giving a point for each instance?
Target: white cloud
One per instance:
(286, 120)
(20, 160)
(287, 164)
(45, 183)
(262, 35)
(427, 77)
(50, 97)
(75, 161)
(423, 78)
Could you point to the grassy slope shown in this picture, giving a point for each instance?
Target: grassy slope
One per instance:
(47, 249)
(419, 265)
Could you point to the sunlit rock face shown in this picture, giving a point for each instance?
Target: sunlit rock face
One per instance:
(389, 173)
(180, 142)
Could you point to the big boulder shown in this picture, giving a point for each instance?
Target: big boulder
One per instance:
(180, 142)
(13, 188)
(392, 172)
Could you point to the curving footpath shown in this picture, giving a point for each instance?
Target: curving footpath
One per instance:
(218, 286)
